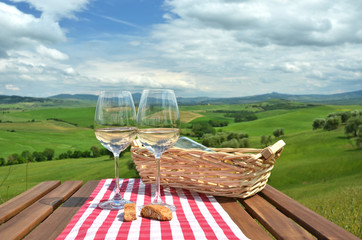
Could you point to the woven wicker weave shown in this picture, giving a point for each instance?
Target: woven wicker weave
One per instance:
(230, 172)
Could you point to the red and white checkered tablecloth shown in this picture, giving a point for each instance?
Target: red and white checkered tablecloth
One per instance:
(198, 216)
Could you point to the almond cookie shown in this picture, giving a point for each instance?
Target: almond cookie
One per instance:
(158, 212)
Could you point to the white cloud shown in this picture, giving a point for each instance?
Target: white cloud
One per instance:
(260, 22)
(56, 9)
(270, 44)
(218, 48)
(70, 71)
(133, 74)
(11, 87)
(51, 53)
(19, 29)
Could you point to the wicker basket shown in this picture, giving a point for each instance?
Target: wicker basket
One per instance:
(230, 172)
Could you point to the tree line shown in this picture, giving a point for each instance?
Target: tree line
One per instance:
(226, 140)
(351, 120)
(267, 140)
(49, 154)
(209, 137)
(239, 116)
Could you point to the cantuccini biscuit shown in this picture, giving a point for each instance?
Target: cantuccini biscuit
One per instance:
(158, 212)
(130, 212)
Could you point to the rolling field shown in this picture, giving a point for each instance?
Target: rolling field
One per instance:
(46, 134)
(188, 116)
(82, 116)
(321, 169)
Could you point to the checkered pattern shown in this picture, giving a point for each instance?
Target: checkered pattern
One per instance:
(198, 216)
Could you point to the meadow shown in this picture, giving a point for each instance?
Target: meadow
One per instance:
(321, 169)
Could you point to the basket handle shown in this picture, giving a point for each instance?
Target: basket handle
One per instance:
(271, 150)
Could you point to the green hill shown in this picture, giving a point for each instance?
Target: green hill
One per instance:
(321, 169)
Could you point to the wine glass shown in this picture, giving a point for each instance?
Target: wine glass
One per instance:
(158, 122)
(115, 128)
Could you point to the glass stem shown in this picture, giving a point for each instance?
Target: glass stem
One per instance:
(117, 195)
(157, 198)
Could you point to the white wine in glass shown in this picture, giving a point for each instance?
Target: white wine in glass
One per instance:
(115, 128)
(158, 122)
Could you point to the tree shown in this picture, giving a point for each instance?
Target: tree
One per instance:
(265, 140)
(244, 143)
(27, 155)
(318, 123)
(216, 123)
(352, 126)
(77, 154)
(39, 156)
(3, 161)
(242, 135)
(278, 132)
(201, 128)
(105, 151)
(86, 154)
(48, 153)
(345, 116)
(359, 137)
(244, 116)
(13, 159)
(210, 140)
(233, 143)
(69, 153)
(131, 165)
(95, 151)
(332, 123)
(63, 156)
(356, 113)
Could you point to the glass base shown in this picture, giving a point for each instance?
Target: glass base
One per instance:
(173, 208)
(113, 204)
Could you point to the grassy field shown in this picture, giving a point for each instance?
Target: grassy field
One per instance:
(68, 169)
(320, 169)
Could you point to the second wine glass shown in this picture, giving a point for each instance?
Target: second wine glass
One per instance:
(158, 122)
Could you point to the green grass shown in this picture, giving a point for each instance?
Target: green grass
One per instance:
(82, 116)
(46, 134)
(320, 169)
(22, 134)
(293, 121)
(67, 169)
(323, 171)
(48, 103)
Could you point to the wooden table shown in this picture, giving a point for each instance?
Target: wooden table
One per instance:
(44, 211)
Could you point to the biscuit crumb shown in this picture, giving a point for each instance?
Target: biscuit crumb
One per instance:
(130, 212)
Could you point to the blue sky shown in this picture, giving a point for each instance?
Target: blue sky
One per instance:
(216, 48)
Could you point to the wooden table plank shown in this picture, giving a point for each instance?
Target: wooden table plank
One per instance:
(280, 226)
(20, 225)
(55, 223)
(25, 199)
(313, 222)
(242, 219)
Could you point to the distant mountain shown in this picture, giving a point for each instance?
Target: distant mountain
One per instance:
(136, 97)
(76, 96)
(347, 98)
(338, 99)
(5, 99)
